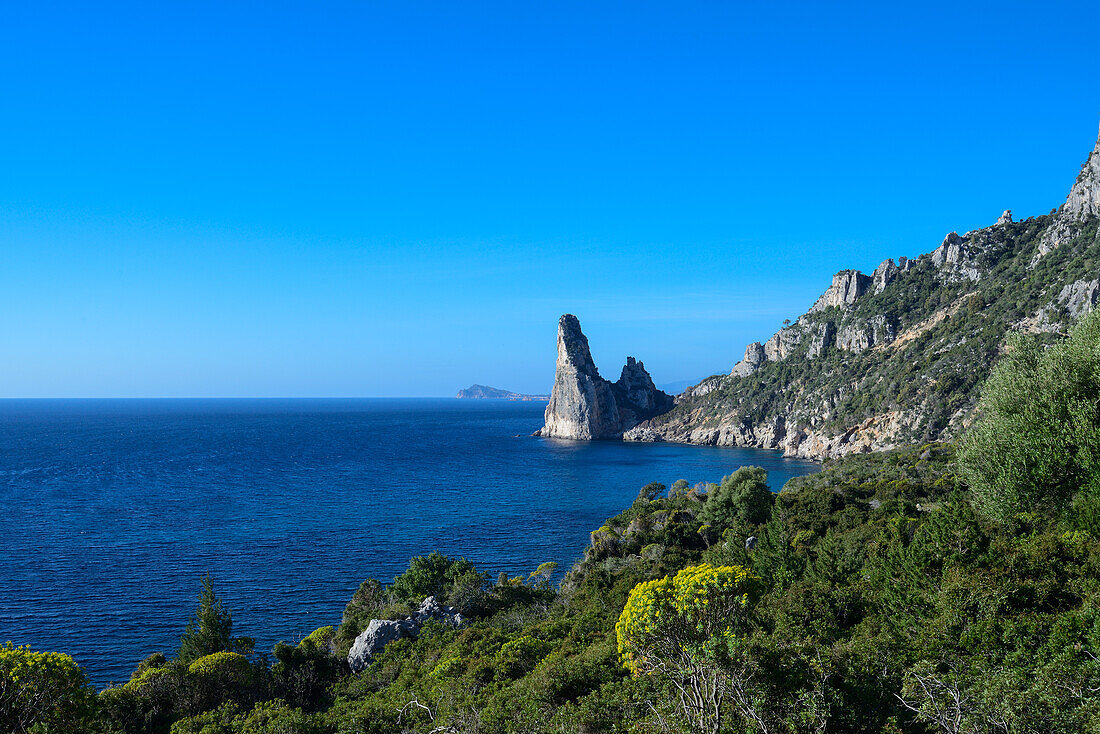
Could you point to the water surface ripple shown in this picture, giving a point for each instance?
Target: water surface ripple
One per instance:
(114, 509)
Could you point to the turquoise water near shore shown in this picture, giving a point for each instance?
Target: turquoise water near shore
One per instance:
(114, 509)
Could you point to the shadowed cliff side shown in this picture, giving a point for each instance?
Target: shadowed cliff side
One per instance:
(584, 405)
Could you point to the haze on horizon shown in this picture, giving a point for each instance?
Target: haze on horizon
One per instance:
(354, 199)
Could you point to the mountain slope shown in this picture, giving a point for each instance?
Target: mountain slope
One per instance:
(897, 356)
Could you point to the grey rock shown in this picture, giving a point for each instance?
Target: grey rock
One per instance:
(848, 285)
(754, 357)
(782, 343)
(950, 250)
(1082, 203)
(381, 632)
(1080, 297)
(823, 337)
(750, 542)
(1084, 198)
(860, 336)
(584, 405)
(1005, 218)
(707, 385)
(955, 258)
(884, 275)
(370, 642)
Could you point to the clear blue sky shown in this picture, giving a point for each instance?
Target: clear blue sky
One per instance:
(401, 198)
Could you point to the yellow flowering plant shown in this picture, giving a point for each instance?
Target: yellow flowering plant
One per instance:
(681, 626)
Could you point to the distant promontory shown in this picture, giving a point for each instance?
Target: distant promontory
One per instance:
(484, 392)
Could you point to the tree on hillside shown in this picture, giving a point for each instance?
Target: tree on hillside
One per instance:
(742, 498)
(43, 692)
(1036, 443)
(211, 629)
(682, 629)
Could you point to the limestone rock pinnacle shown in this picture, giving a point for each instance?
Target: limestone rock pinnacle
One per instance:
(585, 406)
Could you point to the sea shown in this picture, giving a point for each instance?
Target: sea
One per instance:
(114, 510)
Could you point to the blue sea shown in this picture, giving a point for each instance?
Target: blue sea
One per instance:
(115, 509)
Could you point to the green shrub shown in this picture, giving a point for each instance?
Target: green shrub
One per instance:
(1036, 444)
(211, 629)
(44, 691)
(743, 498)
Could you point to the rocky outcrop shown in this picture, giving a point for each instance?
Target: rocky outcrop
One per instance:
(1079, 297)
(876, 331)
(754, 357)
(821, 339)
(955, 258)
(848, 285)
(886, 272)
(782, 343)
(1076, 299)
(381, 632)
(899, 356)
(1082, 204)
(584, 405)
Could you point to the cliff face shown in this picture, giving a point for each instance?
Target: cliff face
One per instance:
(584, 405)
(898, 356)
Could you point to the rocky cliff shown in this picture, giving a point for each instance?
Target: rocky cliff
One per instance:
(584, 405)
(898, 356)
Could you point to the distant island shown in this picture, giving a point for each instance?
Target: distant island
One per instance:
(484, 392)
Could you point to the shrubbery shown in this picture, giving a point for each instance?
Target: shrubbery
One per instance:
(879, 595)
(1036, 444)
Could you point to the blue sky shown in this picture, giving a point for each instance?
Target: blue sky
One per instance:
(325, 199)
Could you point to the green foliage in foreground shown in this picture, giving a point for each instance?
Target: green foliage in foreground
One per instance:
(876, 598)
(880, 595)
(43, 692)
(1036, 445)
(211, 629)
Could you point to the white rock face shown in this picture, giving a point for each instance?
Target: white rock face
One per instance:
(585, 406)
(782, 343)
(754, 357)
(821, 339)
(1080, 297)
(884, 275)
(370, 642)
(848, 285)
(1082, 203)
(859, 337)
(381, 632)
(1084, 198)
(1005, 218)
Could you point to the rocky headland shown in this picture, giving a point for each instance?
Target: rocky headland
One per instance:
(898, 356)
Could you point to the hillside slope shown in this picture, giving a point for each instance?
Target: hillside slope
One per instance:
(897, 356)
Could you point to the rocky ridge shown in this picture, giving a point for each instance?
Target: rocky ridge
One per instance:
(584, 405)
(897, 356)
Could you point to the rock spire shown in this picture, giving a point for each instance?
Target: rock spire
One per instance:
(584, 405)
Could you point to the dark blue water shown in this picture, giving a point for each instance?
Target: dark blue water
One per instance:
(114, 509)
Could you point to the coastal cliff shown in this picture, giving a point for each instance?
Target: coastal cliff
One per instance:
(584, 405)
(898, 356)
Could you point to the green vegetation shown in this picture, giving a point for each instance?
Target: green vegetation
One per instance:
(918, 590)
(211, 629)
(43, 692)
(1036, 445)
(953, 327)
